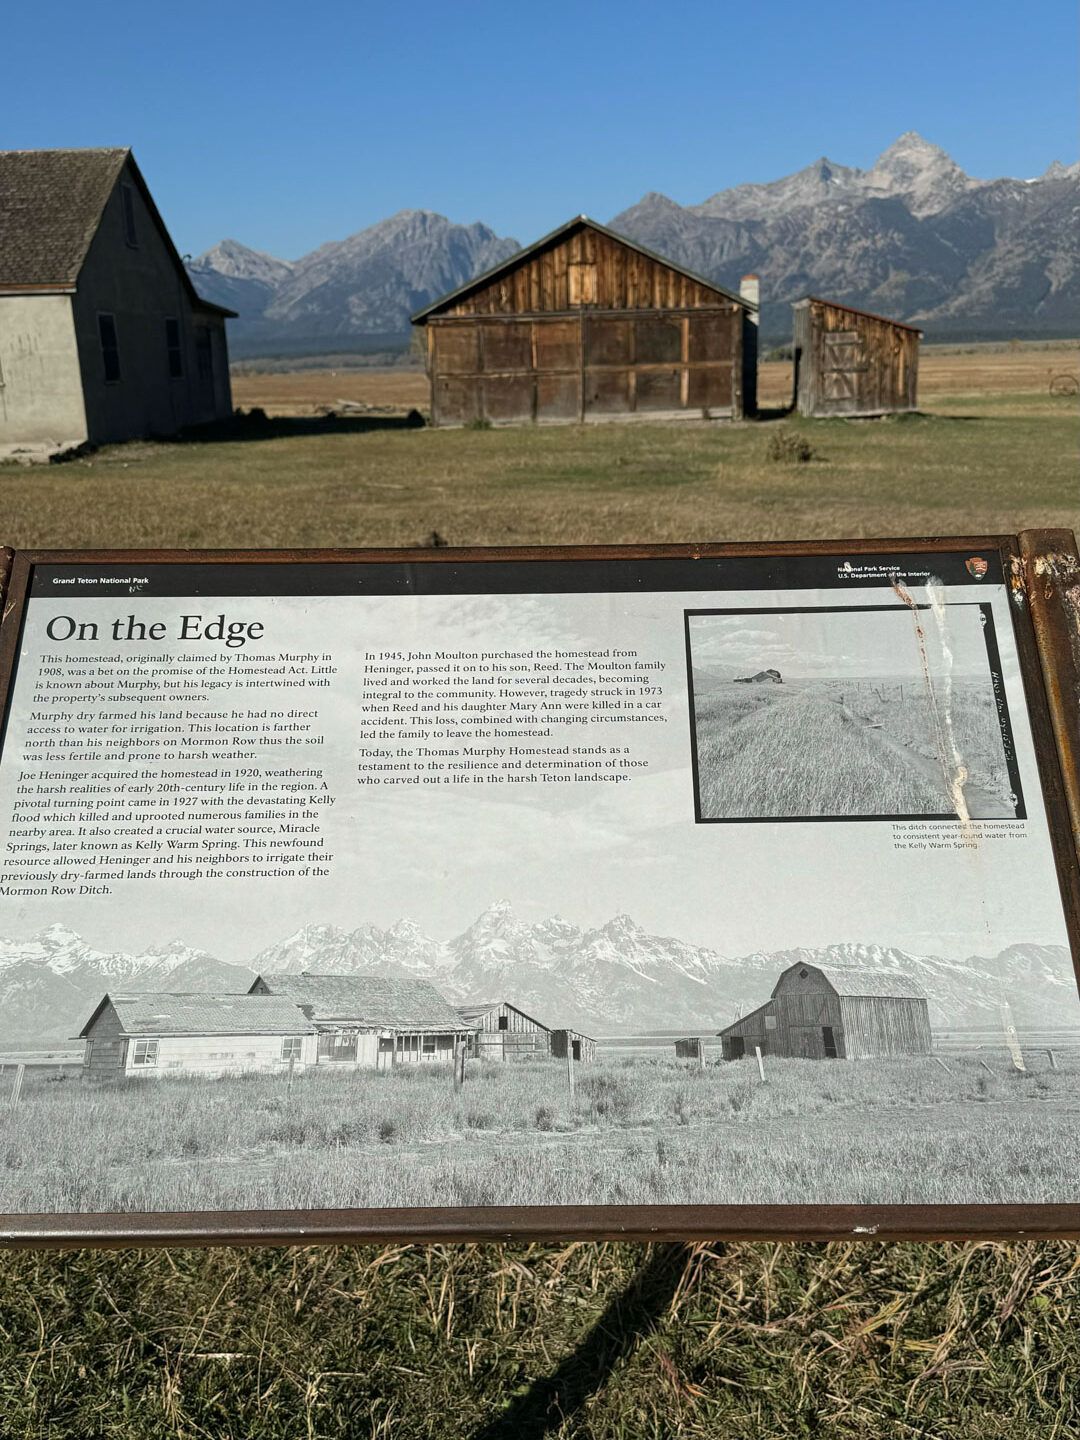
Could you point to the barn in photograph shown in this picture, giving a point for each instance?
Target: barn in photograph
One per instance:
(572, 1042)
(103, 336)
(848, 362)
(588, 325)
(372, 1021)
(824, 1013)
(503, 1032)
(159, 1034)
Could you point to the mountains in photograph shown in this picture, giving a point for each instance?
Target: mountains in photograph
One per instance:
(615, 979)
(913, 237)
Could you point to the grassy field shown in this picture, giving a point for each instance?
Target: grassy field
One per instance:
(638, 1132)
(993, 451)
(833, 747)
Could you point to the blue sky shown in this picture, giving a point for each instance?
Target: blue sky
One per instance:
(284, 126)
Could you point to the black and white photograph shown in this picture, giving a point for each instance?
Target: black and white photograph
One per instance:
(875, 713)
(401, 900)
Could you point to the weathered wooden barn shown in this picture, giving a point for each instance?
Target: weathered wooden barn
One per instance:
(372, 1021)
(503, 1032)
(848, 362)
(581, 1047)
(161, 1034)
(588, 325)
(103, 336)
(826, 1013)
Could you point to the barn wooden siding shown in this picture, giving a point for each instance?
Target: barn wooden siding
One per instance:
(740, 1038)
(506, 1033)
(873, 1026)
(583, 1047)
(586, 326)
(848, 362)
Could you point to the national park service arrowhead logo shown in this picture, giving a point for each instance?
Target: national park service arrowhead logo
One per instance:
(977, 566)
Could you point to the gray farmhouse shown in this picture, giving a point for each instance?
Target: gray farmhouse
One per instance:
(103, 337)
(825, 1013)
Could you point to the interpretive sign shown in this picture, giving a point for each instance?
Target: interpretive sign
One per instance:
(662, 891)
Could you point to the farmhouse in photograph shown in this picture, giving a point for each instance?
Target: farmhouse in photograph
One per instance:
(503, 1032)
(848, 362)
(824, 1013)
(588, 325)
(102, 334)
(372, 1021)
(160, 1034)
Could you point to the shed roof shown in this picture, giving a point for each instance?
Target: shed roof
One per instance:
(51, 203)
(850, 310)
(478, 1009)
(858, 981)
(444, 301)
(156, 1013)
(743, 1019)
(376, 1000)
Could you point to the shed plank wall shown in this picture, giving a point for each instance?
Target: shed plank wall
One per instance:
(853, 364)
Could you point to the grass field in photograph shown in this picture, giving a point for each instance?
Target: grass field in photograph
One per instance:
(979, 458)
(638, 1132)
(845, 747)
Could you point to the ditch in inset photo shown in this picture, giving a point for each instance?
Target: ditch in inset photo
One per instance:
(861, 712)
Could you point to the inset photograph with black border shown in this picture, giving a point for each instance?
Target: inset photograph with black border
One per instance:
(863, 712)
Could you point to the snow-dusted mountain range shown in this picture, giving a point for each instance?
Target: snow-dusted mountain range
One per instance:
(617, 978)
(913, 237)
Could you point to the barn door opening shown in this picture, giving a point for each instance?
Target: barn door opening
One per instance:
(577, 1049)
(828, 1040)
(738, 1047)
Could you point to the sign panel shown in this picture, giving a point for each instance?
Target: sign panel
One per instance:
(677, 892)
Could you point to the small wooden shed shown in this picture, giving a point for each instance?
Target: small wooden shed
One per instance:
(691, 1047)
(581, 1047)
(849, 362)
(372, 1021)
(828, 1013)
(503, 1032)
(588, 325)
(156, 1034)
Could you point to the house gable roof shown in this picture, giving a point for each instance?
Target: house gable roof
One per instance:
(375, 1000)
(157, 1013)
(419, 317)
(478, 1009)
(51, 204)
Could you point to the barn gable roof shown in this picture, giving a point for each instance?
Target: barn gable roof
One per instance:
(504, 266)
(155, 1013)
(475, 1011)
(850, 310)
(855, 981)
(51, 203)
(376, 1000)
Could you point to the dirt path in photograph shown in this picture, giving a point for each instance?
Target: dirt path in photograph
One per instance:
(982, 804)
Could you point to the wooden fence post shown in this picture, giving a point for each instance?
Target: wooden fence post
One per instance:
(1052, 1058)
(760, 1062)
(570, 1066)
(938, 1061)
(16, 1089)
(986, 1067)
(701, 1054)
(459, 1065)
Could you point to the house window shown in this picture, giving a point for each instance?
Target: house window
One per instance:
(291, 1047)
(429, 1045)
(504, 1022)
(110, 350)
(770, 1022)
(127, 204)
(334, 1045)
(173, 351)
(146, 1052)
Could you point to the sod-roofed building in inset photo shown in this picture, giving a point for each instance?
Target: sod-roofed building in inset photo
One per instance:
(830, 1013)
(586, 324)
(155, 1034)
(372, 1021)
